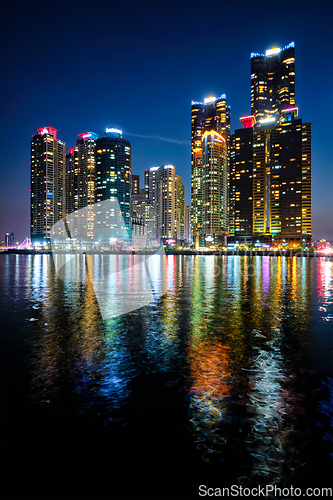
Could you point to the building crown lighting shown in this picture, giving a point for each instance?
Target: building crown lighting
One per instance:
(270, 119)
(88, 135)
(48, 130)
(113, 132)
(214, 133)
(272, 51)
(209, 100)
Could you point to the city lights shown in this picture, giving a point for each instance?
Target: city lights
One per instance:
(238, 180)
(166, 299)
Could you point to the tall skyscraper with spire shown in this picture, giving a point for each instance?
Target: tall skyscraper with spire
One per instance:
(210, 144)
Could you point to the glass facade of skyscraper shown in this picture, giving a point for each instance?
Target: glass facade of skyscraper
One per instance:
(113, 182)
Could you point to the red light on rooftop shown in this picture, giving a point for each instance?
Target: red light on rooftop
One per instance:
(71, 151)
(48, 130)
(248, 121)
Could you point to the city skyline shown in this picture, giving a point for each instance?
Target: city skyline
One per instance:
(145, 107)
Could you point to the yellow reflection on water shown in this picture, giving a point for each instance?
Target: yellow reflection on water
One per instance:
(65, 344)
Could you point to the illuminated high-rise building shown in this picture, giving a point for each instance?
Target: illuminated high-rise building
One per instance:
(143, 209)
(214, 189)
(151, 192)
(166, 202)
(272, 82)
(180, 202)
(84, 161)
(113, 182)
(290, 181)
(135, 184)
(270, 181)
(9, 239)
(241, 184)
(71, 179)
(146, 187)
(150, 184)
(270, 177)
(187, 224)
(165, 192)
(47, 183)
(84, 185)
(210, 145)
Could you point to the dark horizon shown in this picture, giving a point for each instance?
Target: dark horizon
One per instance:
(138, 65)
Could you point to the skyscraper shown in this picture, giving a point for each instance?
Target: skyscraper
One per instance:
(84, 185)
(271, 183)
(290, 181)
(47, 183)
(150, 183)
(270, 179)
(272, 82)
(241, 184)
(210, 144)
(135, 184)
(166, 203)
(151, 193)
(113, 182)
(71, 182)
(142, 208)
(165, 192)
(187, 223)
(180, 194)
(9, 239)
(214, 189)
(84, 159)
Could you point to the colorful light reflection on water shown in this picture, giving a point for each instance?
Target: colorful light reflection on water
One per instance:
(248, 340)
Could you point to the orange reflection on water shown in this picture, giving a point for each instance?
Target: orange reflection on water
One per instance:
(210, 376)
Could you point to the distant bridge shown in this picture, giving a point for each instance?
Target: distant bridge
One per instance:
(25, 244)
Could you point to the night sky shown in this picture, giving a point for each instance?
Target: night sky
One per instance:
(83, 66)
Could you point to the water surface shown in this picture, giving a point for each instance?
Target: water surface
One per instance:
(224, 379)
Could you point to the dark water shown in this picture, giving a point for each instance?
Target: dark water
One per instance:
(225, 379)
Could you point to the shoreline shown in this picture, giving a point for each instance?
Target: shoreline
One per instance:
(225, 253)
